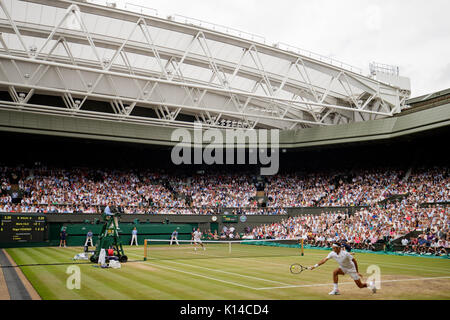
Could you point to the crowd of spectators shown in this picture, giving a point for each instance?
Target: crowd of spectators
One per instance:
(359, 189)
(369, 228)
(51, 190)
(394, 203)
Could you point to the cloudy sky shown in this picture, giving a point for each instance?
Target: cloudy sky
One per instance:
(414, 34)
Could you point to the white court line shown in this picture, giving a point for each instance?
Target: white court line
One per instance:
(329, 284)
(189, 250)
(407, 266)
(227, 272)
(199, 275)
(196, 274)
(373, 261)
(288, 286)
(365, 262)
(287, 265)
(171, 248)
(412, 266)
(212, 256)
(372, 257)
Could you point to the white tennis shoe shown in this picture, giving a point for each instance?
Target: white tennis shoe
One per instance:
(334, 293)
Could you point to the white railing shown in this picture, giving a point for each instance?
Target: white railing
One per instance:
(231, 31)
(141, 9)
(217, 27)
(319, 57)
(127, 6)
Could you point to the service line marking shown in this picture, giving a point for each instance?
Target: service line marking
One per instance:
(270, 288)
(227, 272)
(330, 284)
(200, 275)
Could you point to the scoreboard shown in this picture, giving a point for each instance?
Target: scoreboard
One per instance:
(22, 228)
(230, 218)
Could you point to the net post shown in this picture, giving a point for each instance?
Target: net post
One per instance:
(302, 247)
(145, 250)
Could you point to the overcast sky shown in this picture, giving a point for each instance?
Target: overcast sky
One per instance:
(414, 34)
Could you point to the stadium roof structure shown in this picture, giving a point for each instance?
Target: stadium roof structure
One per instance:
(175, 71)
(432, 99)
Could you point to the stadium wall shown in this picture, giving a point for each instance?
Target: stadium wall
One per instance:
(204, 222)
(24, 122)
(159, 226)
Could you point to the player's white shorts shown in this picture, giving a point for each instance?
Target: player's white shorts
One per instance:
(197, 241)
(352, 273)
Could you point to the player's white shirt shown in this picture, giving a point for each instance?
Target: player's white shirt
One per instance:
(344, 259)
(197, 235)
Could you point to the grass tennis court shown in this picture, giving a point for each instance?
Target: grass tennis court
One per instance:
(251, 272)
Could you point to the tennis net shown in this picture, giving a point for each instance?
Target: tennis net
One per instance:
(186, 249)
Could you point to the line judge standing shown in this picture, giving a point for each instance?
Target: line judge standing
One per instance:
(174, 237)
(134, 236)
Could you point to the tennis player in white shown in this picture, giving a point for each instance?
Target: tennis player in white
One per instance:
(197, 239)
(347, 265)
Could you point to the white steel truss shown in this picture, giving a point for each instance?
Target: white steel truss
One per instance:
(87, 52)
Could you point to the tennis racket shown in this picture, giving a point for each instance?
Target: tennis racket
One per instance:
(297, 268)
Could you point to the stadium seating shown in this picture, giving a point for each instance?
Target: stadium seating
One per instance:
(84, 190)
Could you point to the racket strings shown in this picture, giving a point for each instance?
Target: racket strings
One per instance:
(297, 268)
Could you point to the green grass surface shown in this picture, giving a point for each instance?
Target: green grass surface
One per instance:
(251, 272)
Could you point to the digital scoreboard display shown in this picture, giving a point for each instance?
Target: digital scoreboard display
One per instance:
(22, 228)
(230, 218)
